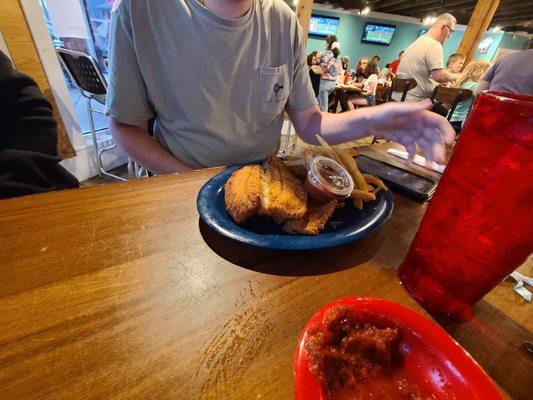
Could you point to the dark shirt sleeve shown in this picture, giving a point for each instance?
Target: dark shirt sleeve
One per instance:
(29, 162)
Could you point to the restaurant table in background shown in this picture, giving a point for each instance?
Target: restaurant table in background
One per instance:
(118, 291)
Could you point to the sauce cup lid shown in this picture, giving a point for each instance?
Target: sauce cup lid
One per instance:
(344, 184)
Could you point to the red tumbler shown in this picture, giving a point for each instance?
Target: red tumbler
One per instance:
(478, 227)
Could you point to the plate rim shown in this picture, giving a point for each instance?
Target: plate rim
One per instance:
(418, 323)
(306, 242)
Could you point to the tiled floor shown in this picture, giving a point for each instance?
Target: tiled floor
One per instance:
(121, 171)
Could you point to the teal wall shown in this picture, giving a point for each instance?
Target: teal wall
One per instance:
(351, 29)
(513, 42)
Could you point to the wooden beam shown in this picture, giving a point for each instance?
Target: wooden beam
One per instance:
(524, 10)
(431, 6)
(23, 52)
(303, 11)
(391, 3)
(477, 26)
(512, 19)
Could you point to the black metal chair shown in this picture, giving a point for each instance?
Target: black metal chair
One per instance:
(89, 80)
(450, 96)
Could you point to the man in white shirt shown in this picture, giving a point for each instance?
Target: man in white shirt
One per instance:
(217, 75)
(423, 60)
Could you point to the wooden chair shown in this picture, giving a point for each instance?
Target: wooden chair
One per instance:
(450, 96)
(401, 85)
(381, 93)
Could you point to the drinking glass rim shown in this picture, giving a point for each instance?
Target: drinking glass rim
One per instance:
(509, 97)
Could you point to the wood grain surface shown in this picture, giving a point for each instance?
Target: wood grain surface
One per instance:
(118, 291)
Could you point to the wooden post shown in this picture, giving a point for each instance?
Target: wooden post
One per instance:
(17, 36)
(303, 11)
(477, 26)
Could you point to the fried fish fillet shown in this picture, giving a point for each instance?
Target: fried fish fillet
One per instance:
(313, 221)
(243, 192)
(283, 195)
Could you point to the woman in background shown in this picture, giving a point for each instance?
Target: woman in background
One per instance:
(314, 71)
(469, 79)
(331, 65)
(376, 59)
(368, 96)
(385, 74)
(358, 76)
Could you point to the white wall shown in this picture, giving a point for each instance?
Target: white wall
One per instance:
(3, 46)
(82, 166)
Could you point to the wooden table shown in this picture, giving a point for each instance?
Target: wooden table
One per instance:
(118, 291)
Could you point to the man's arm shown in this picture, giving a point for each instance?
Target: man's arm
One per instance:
(443, 76)
(409, 124)
(142, 148)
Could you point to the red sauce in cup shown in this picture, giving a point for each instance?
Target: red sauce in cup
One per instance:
(327, 180)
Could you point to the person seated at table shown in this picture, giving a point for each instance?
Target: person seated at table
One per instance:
(223, 104)
(358, 75)
(368, 96)
(385, 74)
(469, 79)
(375, 58)
(512, 73)
(314, 71)
(394, 65)
(346, 69)
(29, 162)
(423, 60)
(455, 63)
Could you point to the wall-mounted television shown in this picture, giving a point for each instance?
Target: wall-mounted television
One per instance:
(322, 26)
(423, 31)
(378, 33)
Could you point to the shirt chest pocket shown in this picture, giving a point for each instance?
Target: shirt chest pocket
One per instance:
(274, 89)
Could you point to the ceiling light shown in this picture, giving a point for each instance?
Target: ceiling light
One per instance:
(497, 28)
(366, 10)
(429, 20)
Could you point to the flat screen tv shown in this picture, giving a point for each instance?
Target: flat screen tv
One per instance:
(322, 26)
(378, 33)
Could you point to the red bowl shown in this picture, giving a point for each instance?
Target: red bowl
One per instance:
(433, 360)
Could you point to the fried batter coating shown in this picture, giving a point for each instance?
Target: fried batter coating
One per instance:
(313, 221)
(283, 194)
(243, 192)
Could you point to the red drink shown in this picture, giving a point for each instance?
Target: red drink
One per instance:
(479, 226)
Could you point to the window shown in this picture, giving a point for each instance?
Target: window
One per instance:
(81, 25)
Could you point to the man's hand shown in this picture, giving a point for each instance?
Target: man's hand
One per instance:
(405, 123)
(410, 124)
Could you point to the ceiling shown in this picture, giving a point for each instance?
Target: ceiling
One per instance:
(511, 15)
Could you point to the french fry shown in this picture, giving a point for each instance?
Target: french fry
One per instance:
(328, 149)
(358, 203)
(363, 195)
(349, 163)
(376, 181)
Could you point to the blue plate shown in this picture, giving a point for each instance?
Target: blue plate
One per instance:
(346, 225)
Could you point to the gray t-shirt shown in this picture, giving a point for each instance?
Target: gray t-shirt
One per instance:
(216, 87)
(419, 59)
(512, 73)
